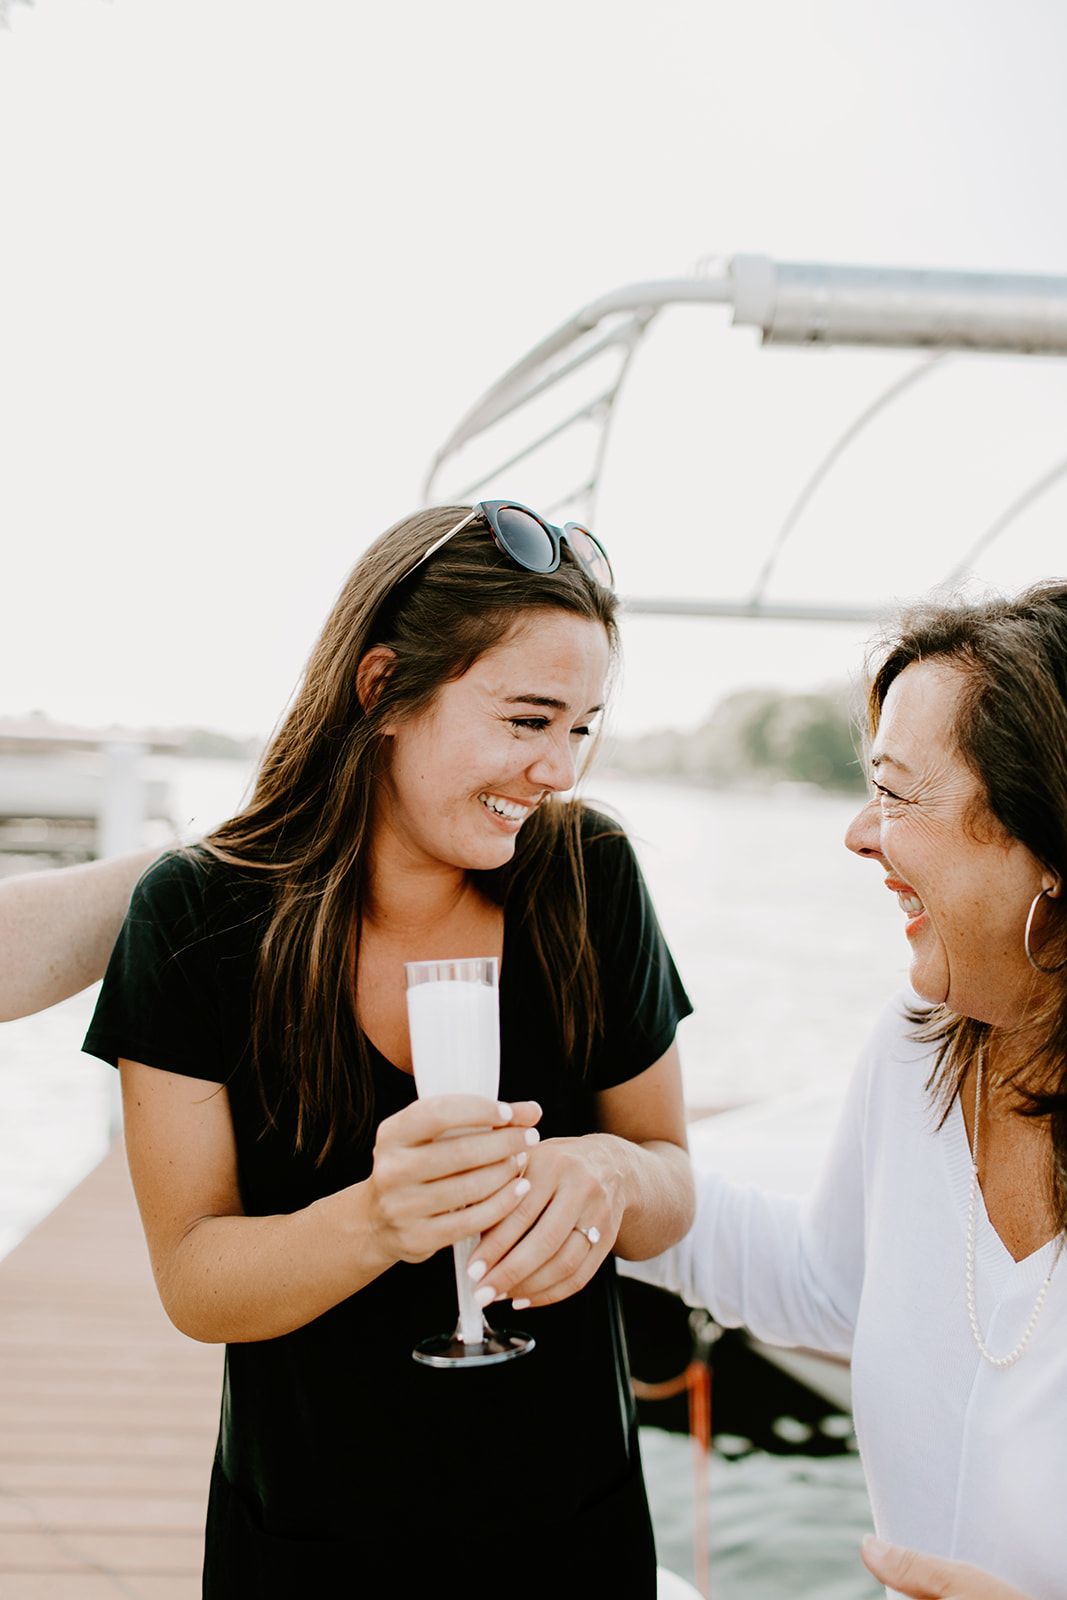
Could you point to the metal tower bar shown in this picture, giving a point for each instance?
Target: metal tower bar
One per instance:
(791, 303)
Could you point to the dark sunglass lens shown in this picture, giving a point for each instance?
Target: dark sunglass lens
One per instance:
(525, 539)
(586, 548)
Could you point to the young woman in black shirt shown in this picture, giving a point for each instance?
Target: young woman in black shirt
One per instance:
(298, 1202)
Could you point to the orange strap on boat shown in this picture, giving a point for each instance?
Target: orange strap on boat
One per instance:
(696, 1379)
(662, 1391)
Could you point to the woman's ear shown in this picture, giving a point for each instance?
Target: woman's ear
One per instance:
(373, 673)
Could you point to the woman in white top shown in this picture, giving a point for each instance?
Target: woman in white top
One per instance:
(929, 1252)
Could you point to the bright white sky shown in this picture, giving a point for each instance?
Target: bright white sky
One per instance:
(257, 259)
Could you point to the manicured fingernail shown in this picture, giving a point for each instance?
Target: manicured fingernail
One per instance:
(532, 1136)
(520, 1305)
(476, 1270)
(504, 1111)
(521, 1160)
(876, 1547)
(522, 1187)
(485, 1295)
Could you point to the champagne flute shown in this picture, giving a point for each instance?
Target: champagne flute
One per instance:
(454, 1018)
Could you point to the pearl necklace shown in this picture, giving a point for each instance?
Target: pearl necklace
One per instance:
(972, 1212)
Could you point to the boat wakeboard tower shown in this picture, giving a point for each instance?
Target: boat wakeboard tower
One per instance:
(934, 313)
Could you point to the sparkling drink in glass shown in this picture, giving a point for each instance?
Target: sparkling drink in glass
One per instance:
(454, 1020)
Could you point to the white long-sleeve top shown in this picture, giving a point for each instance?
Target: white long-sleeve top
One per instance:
(962, 1458)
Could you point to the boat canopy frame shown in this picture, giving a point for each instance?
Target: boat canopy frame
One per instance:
(935, 313)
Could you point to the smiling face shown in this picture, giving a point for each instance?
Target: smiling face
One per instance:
(464, 775)
(964, 884)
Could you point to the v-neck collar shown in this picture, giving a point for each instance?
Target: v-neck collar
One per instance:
(991, 1253)
(505, 967)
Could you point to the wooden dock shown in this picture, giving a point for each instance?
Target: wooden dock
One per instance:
(108, 1415)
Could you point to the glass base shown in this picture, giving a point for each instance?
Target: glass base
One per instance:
(445, 1350)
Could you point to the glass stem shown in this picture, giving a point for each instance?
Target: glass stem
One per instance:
(471, 1322)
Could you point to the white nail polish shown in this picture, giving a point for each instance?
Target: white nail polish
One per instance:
(522, 1187)
(476, 1270)
(519, 1305)
(504, 1111)
(532, 1136)
(484, 1295)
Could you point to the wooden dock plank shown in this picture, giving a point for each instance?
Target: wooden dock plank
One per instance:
(107, 1414)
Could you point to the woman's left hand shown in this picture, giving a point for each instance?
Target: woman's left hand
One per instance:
(924, 1577)
(537, 1255)
(628, 1188)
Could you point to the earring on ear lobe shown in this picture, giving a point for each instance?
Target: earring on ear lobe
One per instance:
(1050, 893)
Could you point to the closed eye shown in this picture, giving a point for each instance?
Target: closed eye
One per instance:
(539, 724)
(880, 789)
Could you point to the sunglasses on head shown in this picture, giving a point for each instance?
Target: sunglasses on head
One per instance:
(530, 541)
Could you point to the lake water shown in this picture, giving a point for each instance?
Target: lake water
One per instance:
(788, 946)
(781, 1527)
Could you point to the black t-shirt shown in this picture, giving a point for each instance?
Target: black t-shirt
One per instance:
(331, 1436)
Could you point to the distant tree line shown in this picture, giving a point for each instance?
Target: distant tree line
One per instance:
(756, 736)
(207, 745)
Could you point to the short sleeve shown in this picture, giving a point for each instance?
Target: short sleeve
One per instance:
(159, 1000)
(643, 996)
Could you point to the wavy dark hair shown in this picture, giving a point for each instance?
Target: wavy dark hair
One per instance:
(307, 827)
(1011, 730)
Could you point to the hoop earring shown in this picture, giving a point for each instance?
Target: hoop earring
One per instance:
(1048, 971)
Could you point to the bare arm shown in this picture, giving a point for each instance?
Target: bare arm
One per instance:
(225, 1276)
(644, 1128)
(57, 929)
(631, 1182)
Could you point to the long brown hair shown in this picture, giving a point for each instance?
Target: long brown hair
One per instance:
(308, 824)
(1011, 729)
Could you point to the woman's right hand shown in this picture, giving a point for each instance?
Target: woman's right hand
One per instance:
(226, 1277)
(432, 1186)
